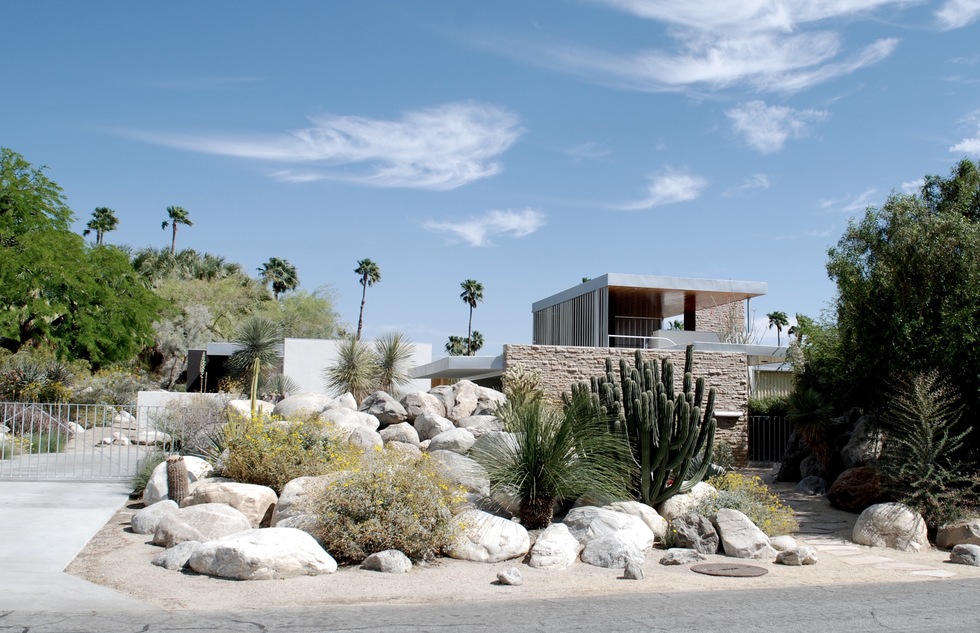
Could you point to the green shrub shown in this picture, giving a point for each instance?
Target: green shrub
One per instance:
(923, 437)
(393, 501)
(752, 498)
(145, 469)
(272, 453)
(777, 406)
(722, 456)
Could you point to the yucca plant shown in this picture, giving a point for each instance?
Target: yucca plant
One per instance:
(353, 371)
(392, 351)
(258, 339)
(551, 454)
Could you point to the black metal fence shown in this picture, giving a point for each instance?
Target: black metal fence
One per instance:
(768, 436)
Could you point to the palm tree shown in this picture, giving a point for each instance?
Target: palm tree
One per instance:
(103, 220)
(472, 294)
(281, 274)
(258, 339)
(778, 320)
(392, 351)
(178, 215)
(370, 275)
(457, 346)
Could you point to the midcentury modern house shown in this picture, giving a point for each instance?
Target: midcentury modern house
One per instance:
(614, 315)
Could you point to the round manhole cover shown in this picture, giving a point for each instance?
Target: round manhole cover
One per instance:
(731, 570)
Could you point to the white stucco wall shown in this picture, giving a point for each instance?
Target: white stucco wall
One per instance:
(304, 360)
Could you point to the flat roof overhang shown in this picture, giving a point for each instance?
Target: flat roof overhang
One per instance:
(674, 294)
(461, 368)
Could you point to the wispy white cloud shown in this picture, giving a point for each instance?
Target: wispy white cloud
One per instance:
(968, 145)
(590, 150)
(766, 128)
(913, 186)
(478, 231)
(756, 181)
(862, 201)
(669, 187)
(437, 148)
(766, 45)
(956, 14)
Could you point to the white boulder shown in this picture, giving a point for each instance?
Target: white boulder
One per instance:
(265, 554)
(891, 525)
(486, 538)
(555, 548)
(255, 502)
(588, 523)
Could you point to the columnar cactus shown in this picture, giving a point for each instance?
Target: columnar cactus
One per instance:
(670, 436)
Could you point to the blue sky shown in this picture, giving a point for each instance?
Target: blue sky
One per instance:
(522, 144)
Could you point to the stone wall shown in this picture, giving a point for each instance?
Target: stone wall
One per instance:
(722, 319)
(727, 372)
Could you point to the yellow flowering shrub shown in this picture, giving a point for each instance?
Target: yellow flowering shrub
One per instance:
(394, 501)
(271, 453)
(751, 497)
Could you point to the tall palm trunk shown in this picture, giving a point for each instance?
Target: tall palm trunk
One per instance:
(469, 334)
(360, 317)
(173, 240)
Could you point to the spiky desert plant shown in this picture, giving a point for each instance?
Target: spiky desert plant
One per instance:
(811, 417)
(177, 481)
(550, 454)
(920, 464)
(258, 339)
(392, 352)
(353, 371)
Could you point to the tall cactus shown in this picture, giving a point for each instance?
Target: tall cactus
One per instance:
(670, 436)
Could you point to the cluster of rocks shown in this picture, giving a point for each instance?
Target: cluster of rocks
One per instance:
(127, 430)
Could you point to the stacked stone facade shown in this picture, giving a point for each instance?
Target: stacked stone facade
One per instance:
(559, 367)
(722, 319)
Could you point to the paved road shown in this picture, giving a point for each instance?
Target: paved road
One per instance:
(948, 606)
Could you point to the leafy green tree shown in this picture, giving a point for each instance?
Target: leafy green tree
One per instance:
(472, 295)
(370, 274)
(778, 320)
(177, 215)
(85, 302)
(281, 274)
(908, 280)
(103, 220)
(302, 314)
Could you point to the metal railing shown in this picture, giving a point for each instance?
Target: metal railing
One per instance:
(768, 435)
(83, 442)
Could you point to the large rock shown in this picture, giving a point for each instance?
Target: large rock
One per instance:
(589, 522)
(365, 438)
(156, 486)
(418, 404)
(555, 548)
(811, 467)
(864, 445)
(205, 522)
(177, 556)
(428, 425)
(146, 520)
(263, 555)
(445, 395)
(856, 489)
(812, 486)
(298, 495)
(255, 502)
(146, 436)
(348, 418)
(891, 525)
(967, 554)
(486, 538)
(385, 408)
(243, 408)
(301, 404)
(682, 504)
(455, 440)
(653, 520)
(612, 551)
(682, 556)
(959, 533)
(472, 399)
(740, 537)
(797, 556)
(390, 561)
(464, 471)
(480, 424)
(693, 531)
(783, 542)
(410, 450)
(400, 432)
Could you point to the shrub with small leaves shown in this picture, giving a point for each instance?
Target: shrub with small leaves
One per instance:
(273, 453)
(393, 501)
(752, 498)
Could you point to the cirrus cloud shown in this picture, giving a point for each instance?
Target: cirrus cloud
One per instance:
(478, 231)
(669, 187)
(767, 128)
(438, 148)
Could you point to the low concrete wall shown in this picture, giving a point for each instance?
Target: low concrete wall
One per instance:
(560, 367)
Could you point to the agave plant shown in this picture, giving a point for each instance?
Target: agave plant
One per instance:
(551, 454)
